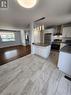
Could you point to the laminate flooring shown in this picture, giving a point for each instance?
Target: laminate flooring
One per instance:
(8, 54)
(33, 75)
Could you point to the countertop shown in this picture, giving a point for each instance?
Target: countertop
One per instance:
(66, 49)
(41, 44)
(59, 42)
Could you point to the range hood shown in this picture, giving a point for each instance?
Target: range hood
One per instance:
(58, 30)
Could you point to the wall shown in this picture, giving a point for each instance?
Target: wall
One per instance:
(36, 36)
(16, 42)
(23, 37)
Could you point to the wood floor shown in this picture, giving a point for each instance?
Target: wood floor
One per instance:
(33, 75)
(11, 53)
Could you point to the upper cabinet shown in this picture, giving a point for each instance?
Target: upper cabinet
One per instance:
(66, 32)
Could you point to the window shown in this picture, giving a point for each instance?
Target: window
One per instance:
(7, 36)
(3, 3)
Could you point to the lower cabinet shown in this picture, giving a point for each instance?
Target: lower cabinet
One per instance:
(42, 51)
(64, 62)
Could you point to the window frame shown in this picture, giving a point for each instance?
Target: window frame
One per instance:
(10, 33)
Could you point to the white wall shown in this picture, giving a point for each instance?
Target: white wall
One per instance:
(23, 37)
(35, 34)
(32, 33)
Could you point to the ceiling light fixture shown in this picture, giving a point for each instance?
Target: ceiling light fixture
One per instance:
(27, 3)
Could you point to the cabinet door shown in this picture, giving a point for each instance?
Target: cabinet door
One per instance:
(44, 51)
(64, 62)
(67, 32)
(37, 50)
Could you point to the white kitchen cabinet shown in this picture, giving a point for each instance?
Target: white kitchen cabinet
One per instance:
(64, 62)
(66, 32)
(42, 51)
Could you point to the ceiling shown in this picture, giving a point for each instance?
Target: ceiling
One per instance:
(55, 11)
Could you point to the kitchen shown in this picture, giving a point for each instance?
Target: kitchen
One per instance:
(59, 40)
